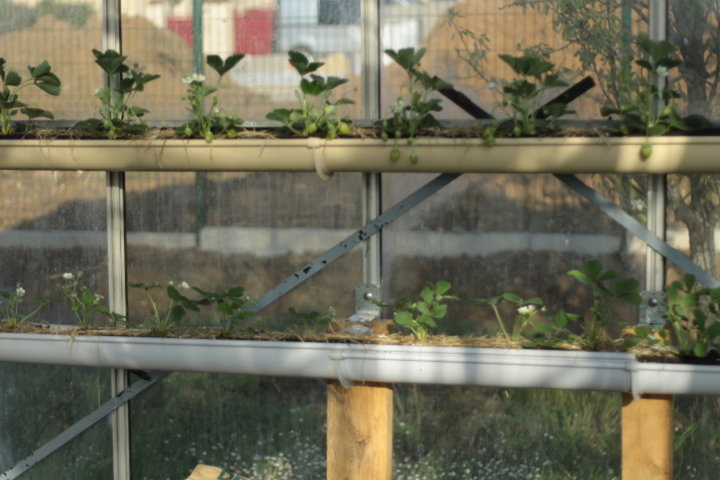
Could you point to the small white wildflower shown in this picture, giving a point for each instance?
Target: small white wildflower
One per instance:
(19, 291)
(662, 70)
(527, 309)
(68, 276)
(98, 297)
(491, 85)
(184, 285)
(194, 78)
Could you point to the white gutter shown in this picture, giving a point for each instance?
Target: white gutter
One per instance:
(679, 154)
(553, 369)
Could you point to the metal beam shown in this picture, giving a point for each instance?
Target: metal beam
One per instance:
(145, 381)
(353, 240)
(637, 229)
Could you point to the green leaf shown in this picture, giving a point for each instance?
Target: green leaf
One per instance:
(404, 319)
(110, 61)
(511, 297)
(442, 287)
(713, 331)
(49, 83)
(313, 87)
(42, 69)
(302, 64)
(657, 130)
(696, 122)
(36, 113)
(543, 327)
(332, 82)
(12, 79)
(580, 276)
(177, 313)
(281, 115)
(407, 58)
(608, 110)
(222, 67)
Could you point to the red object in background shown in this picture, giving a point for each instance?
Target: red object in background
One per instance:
(254, 32)
(183, 27)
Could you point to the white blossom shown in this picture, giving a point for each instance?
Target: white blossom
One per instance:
(527, 309)
(184, 285)
(19, 291)
(662, 70)
(68, 276)
(194, 78)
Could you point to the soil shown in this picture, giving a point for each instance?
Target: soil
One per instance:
(643, 353)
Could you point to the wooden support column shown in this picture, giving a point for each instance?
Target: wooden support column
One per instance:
(647, 437)
(359, 432)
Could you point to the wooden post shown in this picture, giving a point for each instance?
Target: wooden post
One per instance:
(647, 437)
(359, 432)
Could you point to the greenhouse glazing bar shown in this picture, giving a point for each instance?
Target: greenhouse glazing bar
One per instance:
(117, 295)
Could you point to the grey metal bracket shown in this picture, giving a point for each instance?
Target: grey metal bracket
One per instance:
(367, 308)
(653, 308)
(637, 229)
(370, 229)
(145, 381)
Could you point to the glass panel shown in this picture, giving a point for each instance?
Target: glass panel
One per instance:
(481, 433)
(254, 427)
(693, 28)
(37, 403)
(464, 40)
(63, 33)
(494, 234)
(693, 220)
(219, 230)
(159, 36)
(52, 223)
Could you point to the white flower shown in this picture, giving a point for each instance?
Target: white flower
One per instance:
(184, 285)
(68, 276)
(527, 309)
(19, 291)
(194, 78)
(662, 70)
(491, 85)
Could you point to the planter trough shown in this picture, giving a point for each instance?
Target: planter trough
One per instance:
(355, 363)
(678, 154)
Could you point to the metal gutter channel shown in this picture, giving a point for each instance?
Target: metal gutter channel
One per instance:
(488, 367)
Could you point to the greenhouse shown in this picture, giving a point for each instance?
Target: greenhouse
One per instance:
(359, 239)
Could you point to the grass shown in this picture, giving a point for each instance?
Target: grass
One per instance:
(274, 429)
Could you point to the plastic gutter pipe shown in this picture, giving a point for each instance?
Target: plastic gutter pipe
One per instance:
(552, 369)
(437, 155)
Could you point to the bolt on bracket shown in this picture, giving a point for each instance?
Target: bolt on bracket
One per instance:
(653, 308)
(366, 307)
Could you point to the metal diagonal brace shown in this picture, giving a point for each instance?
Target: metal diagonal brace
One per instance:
(353, 240)
(83, 424)
(637, 229)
